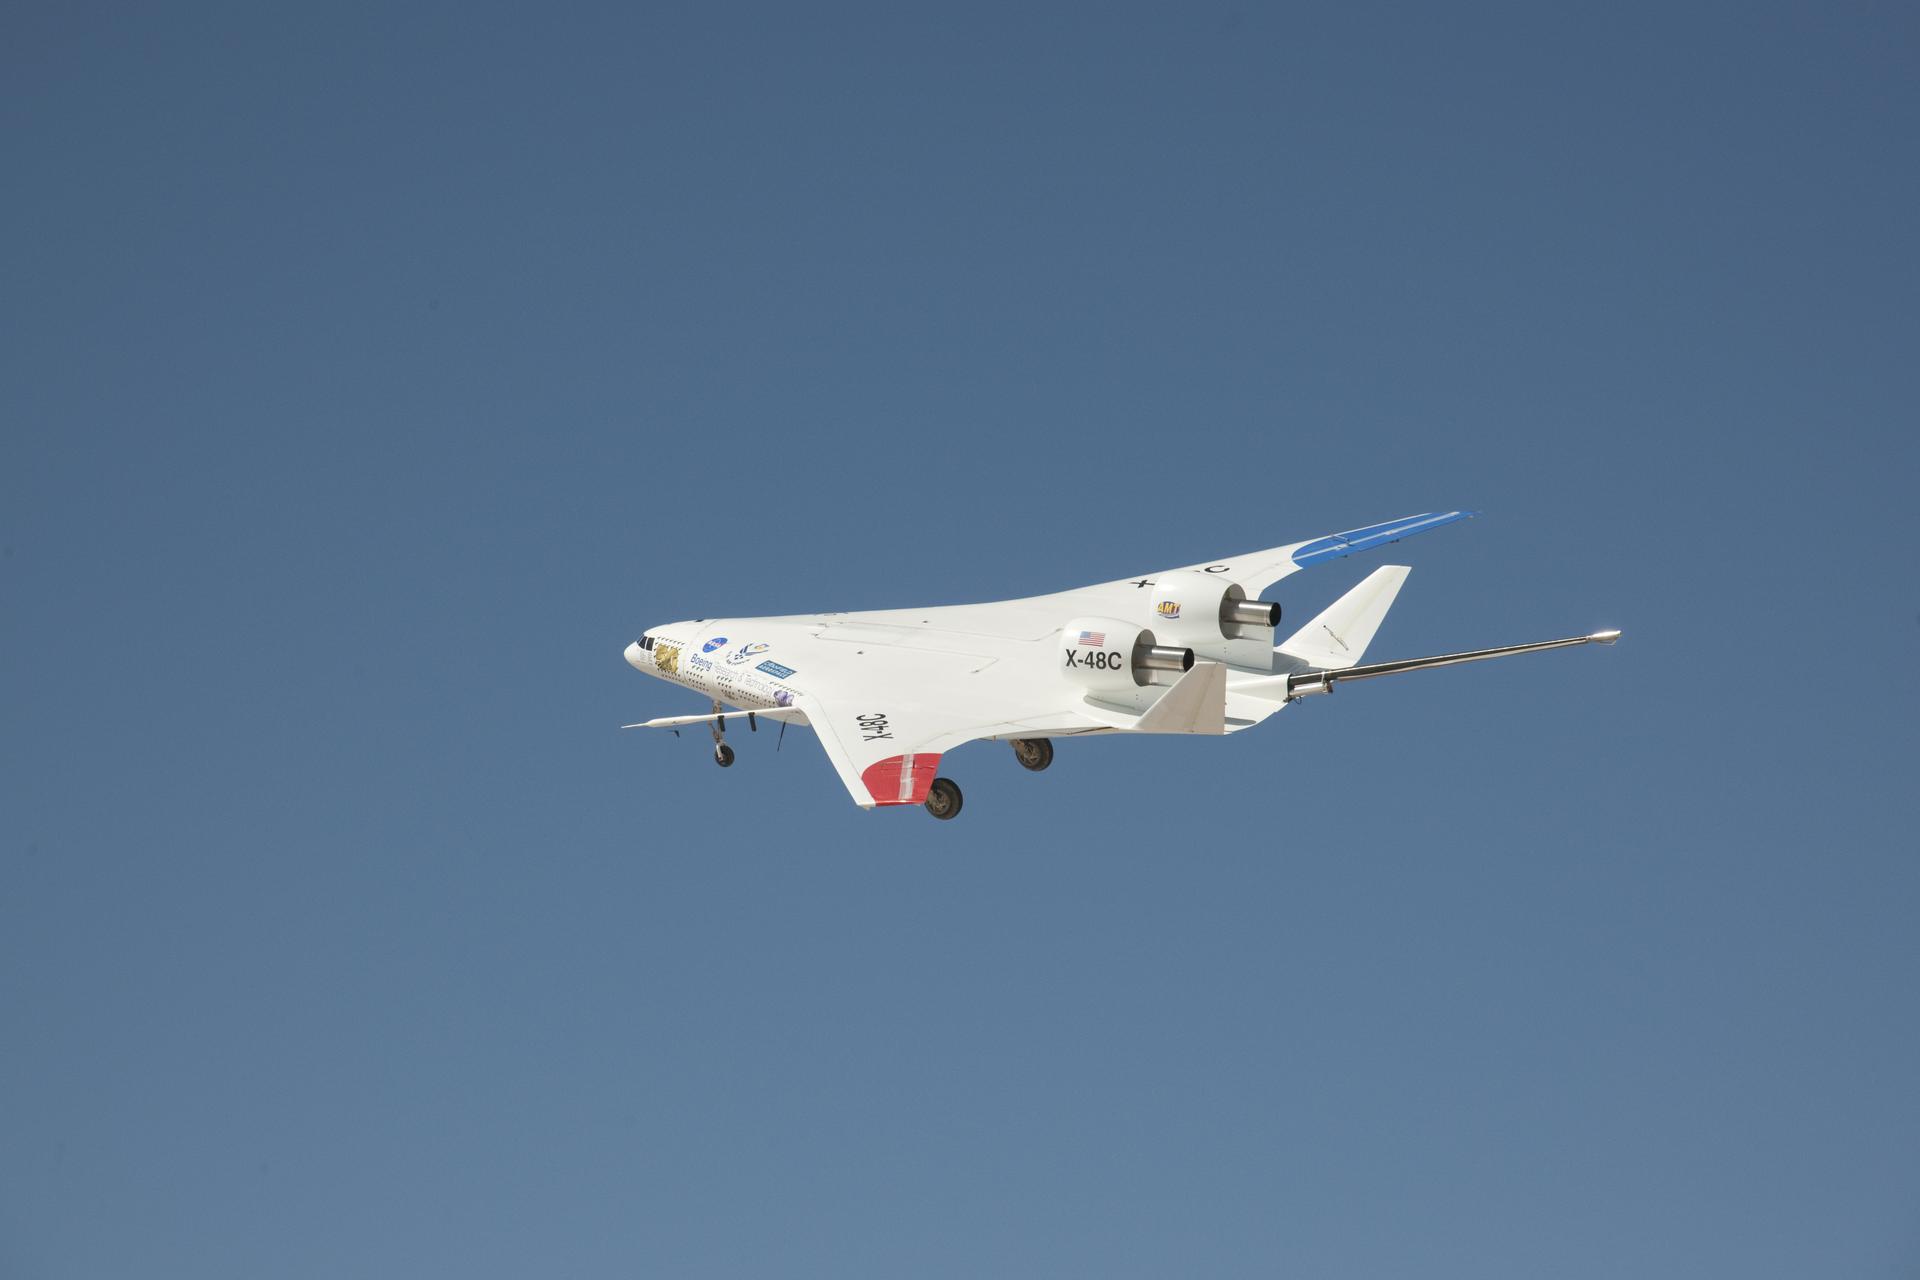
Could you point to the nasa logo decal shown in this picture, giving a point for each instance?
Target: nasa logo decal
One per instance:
(718, 642)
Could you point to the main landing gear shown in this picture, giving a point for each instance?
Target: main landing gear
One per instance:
(943, 794)
(943, 799)
(1033, 753)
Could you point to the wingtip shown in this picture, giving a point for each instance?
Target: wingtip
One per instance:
(1605, 637)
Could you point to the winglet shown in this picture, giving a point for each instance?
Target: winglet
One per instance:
(1197, 703)
(1339, 636)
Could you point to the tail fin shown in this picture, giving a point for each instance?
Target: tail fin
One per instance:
(1197, 703)
(1339, 637)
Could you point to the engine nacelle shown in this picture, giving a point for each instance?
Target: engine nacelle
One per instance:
(1214, 618)
(1110, 658)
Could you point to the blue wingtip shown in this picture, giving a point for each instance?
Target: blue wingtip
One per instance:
(1374, 535)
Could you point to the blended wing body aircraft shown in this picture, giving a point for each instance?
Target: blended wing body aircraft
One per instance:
(1187, 650)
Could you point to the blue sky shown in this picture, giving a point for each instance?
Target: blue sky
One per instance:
(371, 377)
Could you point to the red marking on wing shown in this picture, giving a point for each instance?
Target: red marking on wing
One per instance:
(901, 779)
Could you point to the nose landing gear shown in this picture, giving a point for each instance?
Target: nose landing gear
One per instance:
(1033, 753)
(722, 753)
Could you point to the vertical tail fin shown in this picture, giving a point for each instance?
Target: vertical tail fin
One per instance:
(1339, 637)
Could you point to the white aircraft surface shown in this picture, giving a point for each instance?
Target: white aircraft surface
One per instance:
(1187, 650)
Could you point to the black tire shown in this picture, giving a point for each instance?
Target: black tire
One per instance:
(943, 799)
(1033, 753)
(723, 755)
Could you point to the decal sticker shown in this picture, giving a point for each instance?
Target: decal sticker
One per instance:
(1104, 660)
(667, 658)
(774, 669)
(1093, 639)
(1143, 582)
(874, 726)
(746, 652)
(718, 642)
(1168, 609)
(699, 663)
(783, 698)
(1216, 568)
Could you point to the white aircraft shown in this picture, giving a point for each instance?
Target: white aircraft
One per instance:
(1186, 650)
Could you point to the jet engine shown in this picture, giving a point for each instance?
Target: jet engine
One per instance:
(1108, 657)
(1214, 618)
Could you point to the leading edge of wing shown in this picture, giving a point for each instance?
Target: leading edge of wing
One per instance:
(1335, 545)
(1255, 571)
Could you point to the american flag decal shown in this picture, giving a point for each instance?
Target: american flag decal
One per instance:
(1093, 639)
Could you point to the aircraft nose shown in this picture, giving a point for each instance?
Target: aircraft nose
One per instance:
(636, 656)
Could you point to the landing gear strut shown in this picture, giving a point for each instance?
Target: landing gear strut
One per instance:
(943, 799)
(722, 753)
(1033, 753)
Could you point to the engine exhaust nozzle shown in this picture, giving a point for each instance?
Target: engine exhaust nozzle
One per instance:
(1162, 657)
(1249, 613)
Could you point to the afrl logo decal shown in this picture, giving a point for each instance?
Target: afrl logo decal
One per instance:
(746, 652)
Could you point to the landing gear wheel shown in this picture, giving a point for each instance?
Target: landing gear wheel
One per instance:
(1033, 753)
(722, 754)
(943, 799)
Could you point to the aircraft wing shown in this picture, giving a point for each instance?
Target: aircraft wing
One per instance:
(1255, 571)
(886, 727)
(887, 750)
